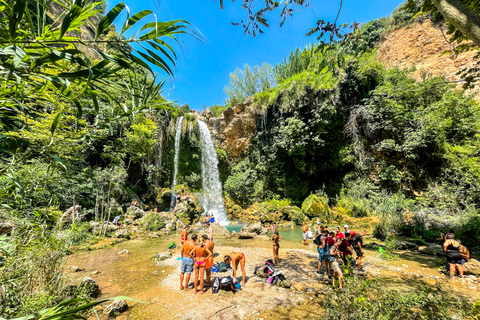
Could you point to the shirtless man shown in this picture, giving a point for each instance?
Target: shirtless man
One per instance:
(184, 235)
(209, 231)
(235, 258)
(305, 233)
(209, 262)
(187, 261)
(201, 254)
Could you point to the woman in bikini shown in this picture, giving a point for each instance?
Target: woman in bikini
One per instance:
(235, 258)
(276, 246)
(200, 253)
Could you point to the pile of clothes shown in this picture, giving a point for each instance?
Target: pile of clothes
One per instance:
(273, 277)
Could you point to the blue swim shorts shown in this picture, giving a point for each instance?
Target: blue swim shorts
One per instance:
(187, 265)
(321, 254)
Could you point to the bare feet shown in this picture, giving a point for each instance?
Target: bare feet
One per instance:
(202, 292)
(243, 284)
(181, 288)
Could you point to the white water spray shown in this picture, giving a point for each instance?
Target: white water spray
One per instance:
(212, 198)
(178, 133)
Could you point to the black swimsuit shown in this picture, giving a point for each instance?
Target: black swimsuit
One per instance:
(454, 256)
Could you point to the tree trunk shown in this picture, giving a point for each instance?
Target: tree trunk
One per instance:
(96, 207)
(74, 212)
(461, 17)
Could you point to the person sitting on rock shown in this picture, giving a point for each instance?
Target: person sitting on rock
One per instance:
(155, 210)
(236, 258)
(206, 218)
(454, 256)
(115, 221)
(212, 219)
(183, 190)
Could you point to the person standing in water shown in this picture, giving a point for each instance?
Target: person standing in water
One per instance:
(454, 256)
(276, 247)
(187, 261)
(209, 231)
(236, 258)
(210, 245)
(305, 233)
(201, 254)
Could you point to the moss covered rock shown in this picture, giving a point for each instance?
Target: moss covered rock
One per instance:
(153, 222)
(316, 206)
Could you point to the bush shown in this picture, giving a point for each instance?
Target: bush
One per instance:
(316, 206)
(153, 222)
(367, 299)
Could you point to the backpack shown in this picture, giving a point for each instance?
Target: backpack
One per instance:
(172, 245)
(269, 267)
(226, 283)
(277, 276)
(318, 240)
(216, 285)
(222, 267)
(465, 252)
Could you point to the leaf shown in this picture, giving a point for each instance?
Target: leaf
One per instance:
(60, 161)
(133, 20)
(71, 16)
(55, 122)
(109, 18)
(16, 16)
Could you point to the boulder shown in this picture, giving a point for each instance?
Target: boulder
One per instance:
(262, 238)
(94, 224)
(255, 228)
(405, 245)
(294, 214)
(122, 233)
(472, 267)
(431, 249)
(188, 209)
(246, 235)
(284, 284)
(74, 269)
(89, 287)
(163, 256)
(124, 251)
(71, 214)
(171, 226)
(135, 212)
(218, 230)
(127, 221)
(115, 308)
(227, 114)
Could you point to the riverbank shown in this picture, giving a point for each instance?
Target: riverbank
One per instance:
(137, 276)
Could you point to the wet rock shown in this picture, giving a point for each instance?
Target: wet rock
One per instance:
(246, 235)
(124, 251)
(89, 287)
(72, 214)
(472, 267)
(115, 308)
(405, 245)
(432, 249)
(163, 256)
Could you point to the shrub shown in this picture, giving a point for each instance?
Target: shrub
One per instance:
(316, 206)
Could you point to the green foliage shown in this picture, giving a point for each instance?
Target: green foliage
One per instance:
(367, 299)
(316, 206)
(387, 251)
(140, 139)
(248, 82)
(217, 110)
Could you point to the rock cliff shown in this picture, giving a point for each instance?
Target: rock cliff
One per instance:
(234, 129)
(423, 45)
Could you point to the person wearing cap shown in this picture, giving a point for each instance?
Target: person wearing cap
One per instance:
(347, 229)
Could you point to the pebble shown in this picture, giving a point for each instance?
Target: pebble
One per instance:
(132, 271)
(95, 272)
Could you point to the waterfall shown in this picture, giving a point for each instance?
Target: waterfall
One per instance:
(178, 133)
(212, 197)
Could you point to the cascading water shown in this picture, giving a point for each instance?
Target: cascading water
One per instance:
(212, 199)
(178, 133)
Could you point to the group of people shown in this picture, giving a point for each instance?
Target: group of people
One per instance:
(200, 258)
(335, 248)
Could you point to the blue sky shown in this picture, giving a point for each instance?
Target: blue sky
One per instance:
(203, 68)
